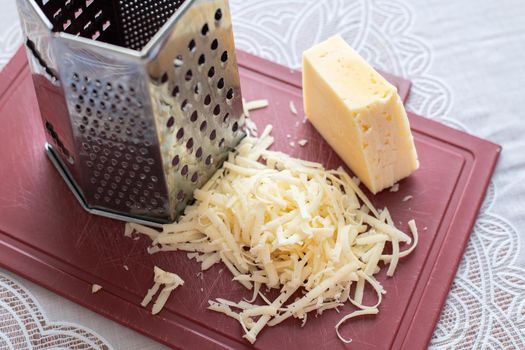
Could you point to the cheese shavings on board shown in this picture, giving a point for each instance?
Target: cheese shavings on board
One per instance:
(251, 127)
(288, 224)
(253, 105)
(293, 109)
(169, 280)
(95, 288)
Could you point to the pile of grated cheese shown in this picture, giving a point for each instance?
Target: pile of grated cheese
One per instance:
(288, 224)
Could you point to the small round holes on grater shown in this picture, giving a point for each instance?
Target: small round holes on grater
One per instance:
(195, 177)
(205, 29)
(194, 116)
(220, 84)
(178, 62)
(202, 60)
(211, 72)
(224, 57)
(171, 122)
(189, 75)
(214, 44)
(183, 105)
(197, 90)
(176, 160)
(192, 45)
(180, 133)
(218, 15)
(110, 125)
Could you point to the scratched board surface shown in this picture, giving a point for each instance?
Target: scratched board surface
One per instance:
(46, 237)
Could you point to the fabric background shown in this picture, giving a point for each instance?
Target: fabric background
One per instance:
(467, 61)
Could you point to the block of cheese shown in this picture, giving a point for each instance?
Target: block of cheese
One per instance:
(358, 113)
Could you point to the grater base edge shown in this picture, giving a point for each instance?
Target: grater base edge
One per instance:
(62, 170)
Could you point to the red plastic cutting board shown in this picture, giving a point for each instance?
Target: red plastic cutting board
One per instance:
(46, 237)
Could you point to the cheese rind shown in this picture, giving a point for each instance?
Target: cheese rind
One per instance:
(359, 113)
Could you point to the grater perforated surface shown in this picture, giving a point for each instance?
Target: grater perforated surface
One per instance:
(93, 19)
(197, 100)
(141, 19)
(145, 130)
(116, 145)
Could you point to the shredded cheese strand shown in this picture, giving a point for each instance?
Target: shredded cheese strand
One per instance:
(169, 280)
(370, 311)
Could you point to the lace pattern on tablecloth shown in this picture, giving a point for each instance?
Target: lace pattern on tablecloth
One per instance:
(23, 324)
(10, 41)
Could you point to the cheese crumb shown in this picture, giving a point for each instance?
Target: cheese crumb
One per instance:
(292, 144)
(245, 110)
(251, 127)
(394, 188)
(95, 288)
(277, 222)
(407, 198)
(128, 231)
(126, 267)
(257, 104)
(169, 280)
(293, 109)
(302, 142)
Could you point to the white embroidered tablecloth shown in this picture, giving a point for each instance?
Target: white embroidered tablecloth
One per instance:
(467, 62)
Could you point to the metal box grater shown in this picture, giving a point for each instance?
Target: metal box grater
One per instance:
(140, 99)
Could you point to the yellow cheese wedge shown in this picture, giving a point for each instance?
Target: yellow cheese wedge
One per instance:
(358, 113)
